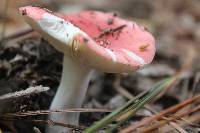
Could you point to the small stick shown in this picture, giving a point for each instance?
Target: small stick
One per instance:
(50, 123)
(160, 115)
(191, 120)
(161, 123)
(28, 91)
(53, 123)
(44, 112)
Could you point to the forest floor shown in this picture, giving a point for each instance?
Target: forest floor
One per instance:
(28, 60)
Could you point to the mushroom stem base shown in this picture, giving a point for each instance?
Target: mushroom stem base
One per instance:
(70, 93)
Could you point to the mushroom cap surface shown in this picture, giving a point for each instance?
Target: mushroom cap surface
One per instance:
(98, 40)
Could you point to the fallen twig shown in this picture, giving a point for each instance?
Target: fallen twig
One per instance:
(28, 91)
(50, 123)
(53, 123)
(44, 112)
(177, 127)
(160, 115)
(161, 123)
(187, 121)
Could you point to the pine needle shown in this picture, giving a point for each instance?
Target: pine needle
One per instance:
(131, 107)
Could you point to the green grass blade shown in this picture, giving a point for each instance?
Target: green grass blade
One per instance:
(130, 108)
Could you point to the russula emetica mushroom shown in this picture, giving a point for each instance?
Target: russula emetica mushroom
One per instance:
(89, 40)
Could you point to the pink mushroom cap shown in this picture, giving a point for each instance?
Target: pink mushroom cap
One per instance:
(110, 44)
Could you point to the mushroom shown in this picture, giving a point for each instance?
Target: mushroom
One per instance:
(89, 40)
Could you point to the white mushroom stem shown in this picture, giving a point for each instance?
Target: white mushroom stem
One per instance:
(70, 93)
